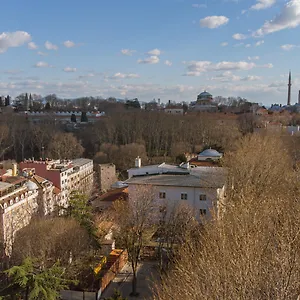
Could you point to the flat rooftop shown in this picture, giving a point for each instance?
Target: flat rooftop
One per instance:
(78, 162)
(4, 185)
(205, 177)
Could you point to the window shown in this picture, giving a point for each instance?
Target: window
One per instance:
(162, 195)
(202, 197)
(184, 196)
(162, 209)
(202, 212)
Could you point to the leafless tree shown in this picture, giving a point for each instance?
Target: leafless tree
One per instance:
(135, 221)
(252, 250)
(64, 145)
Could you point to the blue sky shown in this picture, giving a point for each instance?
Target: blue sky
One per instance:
(167, 49)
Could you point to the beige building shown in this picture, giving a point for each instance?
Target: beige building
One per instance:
(66, 175)
(18, 203)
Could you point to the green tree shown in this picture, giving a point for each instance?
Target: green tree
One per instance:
(47, 106)
(31, 282)
(83, 117)
(81, 211)
(73, 118)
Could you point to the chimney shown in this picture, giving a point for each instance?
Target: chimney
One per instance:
(299, 97)
(14, 169)
(138, 162)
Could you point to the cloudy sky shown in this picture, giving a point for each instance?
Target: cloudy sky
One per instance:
(168, 49)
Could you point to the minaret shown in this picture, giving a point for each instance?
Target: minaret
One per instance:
(289, 89)
(299, 97)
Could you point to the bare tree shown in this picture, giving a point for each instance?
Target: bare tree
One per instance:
(135, 221)
(177, 225)
(252, 251)
(4, 133)
(50, 240)
(64, 145)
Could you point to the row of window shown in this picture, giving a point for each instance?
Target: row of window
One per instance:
(184, 196)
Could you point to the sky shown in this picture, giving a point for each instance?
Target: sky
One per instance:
(167, 49)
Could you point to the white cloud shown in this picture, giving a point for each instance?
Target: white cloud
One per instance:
(124, 76)
(155, 52)
(32, 46)
(251, 78)
(268, 66)
(247, 45)
(289, 17)
(42, 53)
(226, 77)
(259, 43)
(69, 69)
(89, 75)
(263, 4)
(50, 46)
(288, 47)
(168, 63)
(13, 39)
(239, 36)
(243, 11)
(213, 21)
(228, 65)
(196, 68)
(224, 44)
(41, 64)
(127, 52)
(253, 57)
(149, 60)
(69, 44)
(199, 5)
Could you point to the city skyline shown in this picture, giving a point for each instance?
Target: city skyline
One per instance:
(169, 49)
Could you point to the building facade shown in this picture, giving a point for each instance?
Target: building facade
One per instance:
(18, 204)
(204, 103)
(202, 188)
(66, 175)
(107, 176)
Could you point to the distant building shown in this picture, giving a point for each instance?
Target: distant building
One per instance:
(174, 108)
(204, 103)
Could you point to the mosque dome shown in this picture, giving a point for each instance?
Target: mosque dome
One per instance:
(31, 185)
(210, 153)
(205, 94)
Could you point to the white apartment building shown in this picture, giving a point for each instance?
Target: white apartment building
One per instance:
(200, 187)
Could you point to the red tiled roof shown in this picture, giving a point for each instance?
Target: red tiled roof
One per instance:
(56, 191)
(194, 161)
(113, 195)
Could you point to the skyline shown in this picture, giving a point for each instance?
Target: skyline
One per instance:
(167, 49)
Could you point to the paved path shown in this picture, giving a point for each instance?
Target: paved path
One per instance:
(147, 273)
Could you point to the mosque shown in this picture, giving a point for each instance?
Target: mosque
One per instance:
(205, 103)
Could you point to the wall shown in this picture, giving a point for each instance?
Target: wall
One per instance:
(107, 176)
(41, 170)
(173, 196)
(16, 216)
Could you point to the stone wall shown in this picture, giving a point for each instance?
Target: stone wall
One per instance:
(107, 176)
